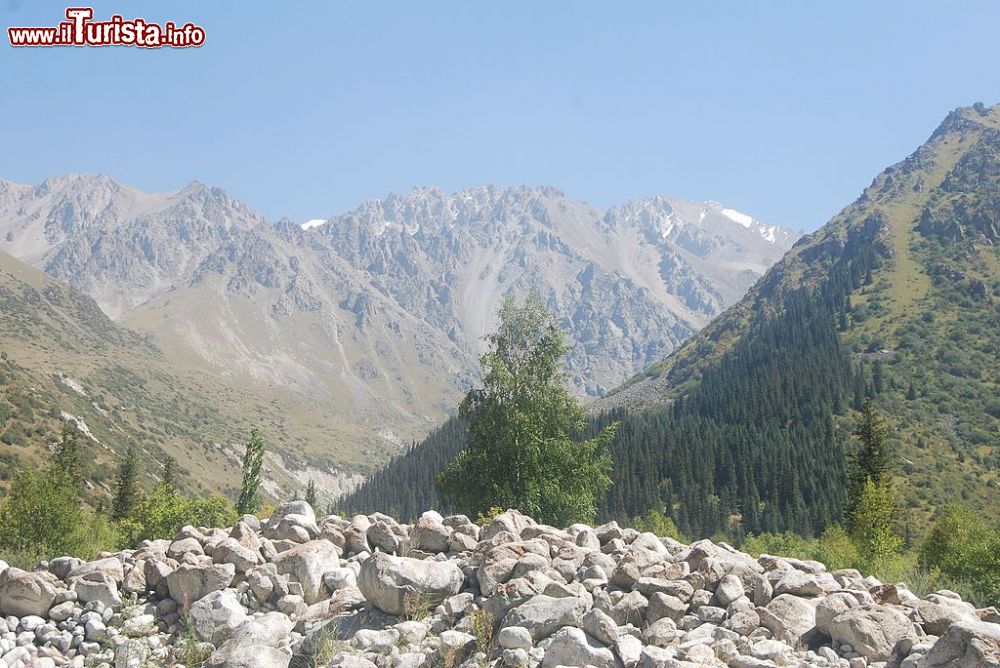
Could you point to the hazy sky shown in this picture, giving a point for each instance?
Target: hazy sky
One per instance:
(785, 110)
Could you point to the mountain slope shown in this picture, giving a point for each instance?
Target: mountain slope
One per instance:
(896, 299)
(376, 317)
(920, 319)
(64, 360)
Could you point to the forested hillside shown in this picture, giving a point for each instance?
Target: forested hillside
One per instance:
(744, 429)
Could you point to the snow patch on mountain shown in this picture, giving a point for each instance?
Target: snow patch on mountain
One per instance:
(738, 217)
(668, 226)
(769, 232)
(314, 222)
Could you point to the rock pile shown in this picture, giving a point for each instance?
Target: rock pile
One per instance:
(368, 591)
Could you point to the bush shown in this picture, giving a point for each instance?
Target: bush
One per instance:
(659, 524)
(487, 516)
(43, 517)
(834, 548)
(961, 553)
(165, 511)
(967, 552)
(837, 550)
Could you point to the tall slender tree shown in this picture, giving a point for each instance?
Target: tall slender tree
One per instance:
(872, 524)
(127, 491)
(311, 497)
(870, 500)
(69, 455)
(253, 460)
(169, 477)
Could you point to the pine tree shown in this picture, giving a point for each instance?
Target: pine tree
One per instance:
(521, 451)
(871, 461)
(169, 477)
(127, 489)
(311, 494)
(877, 380)
(858, 402)
(69, 455)
(253, 460)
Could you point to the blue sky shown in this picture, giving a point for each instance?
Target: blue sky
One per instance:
(785, 110)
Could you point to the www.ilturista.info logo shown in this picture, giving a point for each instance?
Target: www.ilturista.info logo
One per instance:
(80, 30)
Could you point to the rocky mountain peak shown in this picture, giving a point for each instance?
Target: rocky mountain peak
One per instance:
(964, 119)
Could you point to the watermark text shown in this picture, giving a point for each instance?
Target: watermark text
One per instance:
(79, 29)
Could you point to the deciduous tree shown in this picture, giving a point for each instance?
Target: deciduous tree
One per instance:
(523, 448)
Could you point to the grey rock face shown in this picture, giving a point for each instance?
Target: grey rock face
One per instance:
(939, 612)
(730, 589)
(431, 535)
(258, 642)
(215, 616)
(966, 644)
(188, 583)
(307, 564)
(23, 593)
(231, 551)
(789, 618)
(873, 631)
(97, 586)
(542, 615)
(514, 637)
(294, 521)
(572, 647)
(830, 607)
(387, 581)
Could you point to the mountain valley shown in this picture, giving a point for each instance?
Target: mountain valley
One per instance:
(363, 329)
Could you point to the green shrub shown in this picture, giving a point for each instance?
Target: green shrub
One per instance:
(873, 532)
(834, 548)
(837, 550)
(780, 545)
(42, 517)
(14, 435)
(657, 523)
(487, 516)
(165, 511)
(967, 552)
